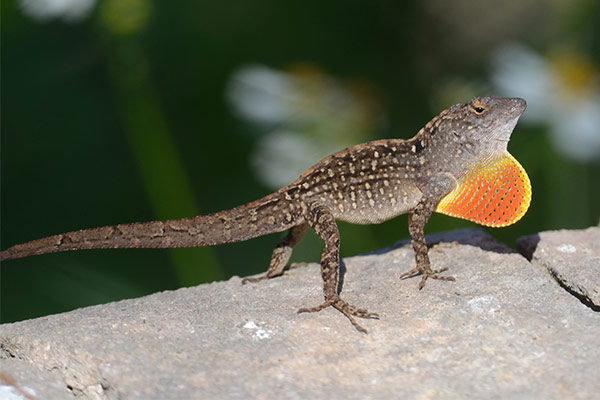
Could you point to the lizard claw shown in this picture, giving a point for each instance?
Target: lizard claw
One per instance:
(411, 273)
(297, 265)
(347, 309)
(427, 273)
(434, 275)
(256, 279)
(268, 276)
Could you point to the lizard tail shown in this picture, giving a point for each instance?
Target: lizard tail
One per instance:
(268, 215)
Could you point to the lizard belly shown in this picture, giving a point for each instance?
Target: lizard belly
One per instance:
(378, 204)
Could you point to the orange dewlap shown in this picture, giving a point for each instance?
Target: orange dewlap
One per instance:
(495, 194)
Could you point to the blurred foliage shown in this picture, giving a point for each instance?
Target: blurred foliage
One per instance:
(116, 111)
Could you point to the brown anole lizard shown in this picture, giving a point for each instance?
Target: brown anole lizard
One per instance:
(458, 164)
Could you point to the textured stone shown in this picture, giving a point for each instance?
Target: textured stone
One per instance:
(23, 381)
(505, 329)
(572, 257)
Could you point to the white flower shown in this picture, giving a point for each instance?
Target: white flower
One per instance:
(301, 116)
(561, 91)
(69, 10)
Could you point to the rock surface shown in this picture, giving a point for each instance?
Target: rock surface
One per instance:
(572, 257)
(504, 329)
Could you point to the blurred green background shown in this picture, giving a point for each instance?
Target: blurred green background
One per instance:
(119, 111)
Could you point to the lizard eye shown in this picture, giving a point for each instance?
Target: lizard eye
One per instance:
(478, 109)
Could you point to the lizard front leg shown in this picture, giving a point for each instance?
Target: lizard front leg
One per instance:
(416, 226)
(322, 221)
(282, 253)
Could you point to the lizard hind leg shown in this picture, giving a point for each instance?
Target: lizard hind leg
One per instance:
(282, 253)
(323, 222)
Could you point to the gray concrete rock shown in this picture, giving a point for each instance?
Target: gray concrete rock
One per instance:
(23, 381)
(572, 257)
(505, 329)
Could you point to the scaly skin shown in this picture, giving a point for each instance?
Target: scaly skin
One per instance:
(364, 184)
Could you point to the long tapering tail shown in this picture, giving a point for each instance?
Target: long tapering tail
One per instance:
(268, 215)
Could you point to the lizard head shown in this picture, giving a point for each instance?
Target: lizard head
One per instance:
(484, 125)
(492, 187)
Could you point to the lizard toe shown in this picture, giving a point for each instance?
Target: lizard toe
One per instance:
(411, 273)
(255, 279)
(345, 308)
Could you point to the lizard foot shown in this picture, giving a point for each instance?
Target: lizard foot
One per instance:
(267, 276)
(427, 273)
(252, 280)
(347, 309)
(297, 265)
